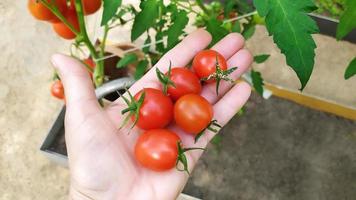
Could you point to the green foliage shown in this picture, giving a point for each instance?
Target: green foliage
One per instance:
(126, 60)
(332, 8)
(347, 20)
(110, 8)
(249, 30)
(351, 69)
(261, 58)
(145, 19)
(214, 27)
(180, 20)
(140, 69)
(291, 27)
(257, 81)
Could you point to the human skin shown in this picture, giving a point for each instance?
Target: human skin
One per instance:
(101, 157)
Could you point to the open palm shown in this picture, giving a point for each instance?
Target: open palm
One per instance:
(100, 155)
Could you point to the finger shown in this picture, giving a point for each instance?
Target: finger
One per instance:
(229, 45)
(179, 56)
(78, 86)
(242, 60)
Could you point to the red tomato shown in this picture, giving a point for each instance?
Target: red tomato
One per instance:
(157, 149)
(57, 89)
(185, 81)
(193, 113)
(63, 31)
(204, 63)
(90, 6)
(156, 110)
(91, 64)
(40, 12)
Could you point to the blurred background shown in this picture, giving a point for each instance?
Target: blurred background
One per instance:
(290, 146)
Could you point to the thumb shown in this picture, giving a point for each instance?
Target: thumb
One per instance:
(78, 86)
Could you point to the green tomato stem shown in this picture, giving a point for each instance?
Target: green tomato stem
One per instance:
(83, 37)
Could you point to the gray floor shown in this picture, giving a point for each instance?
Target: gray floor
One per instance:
(280, 150)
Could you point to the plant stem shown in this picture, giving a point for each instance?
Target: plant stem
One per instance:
(202, 6)
(103, 42)
(58, 14)
(83, 37)
(186, 7)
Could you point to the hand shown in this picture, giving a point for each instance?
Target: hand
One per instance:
(101, 160)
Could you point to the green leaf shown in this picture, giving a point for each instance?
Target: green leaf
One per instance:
(347, 20)
(147, 41)
(236, 27)
(140, 69)
(351, 69)
(145, 19)
(216, 30)
(110, 8)
(180, 20)
(257, 81)
(291, 27)
(126, 60)
(249, 30)
(159, 46)
(261, 58)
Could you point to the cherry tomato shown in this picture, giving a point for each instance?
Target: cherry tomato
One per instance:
(90, 6)
(62, 30)
(157, 149)
(91, 64)
(57, 89)
(156, 110)
(193, 113)
(40, 12)
(185, 81)
(204, 63)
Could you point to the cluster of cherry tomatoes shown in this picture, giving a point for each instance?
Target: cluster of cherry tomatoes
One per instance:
(152, 110)
(41, 12)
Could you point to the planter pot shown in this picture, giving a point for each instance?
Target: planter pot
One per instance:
(328, 26)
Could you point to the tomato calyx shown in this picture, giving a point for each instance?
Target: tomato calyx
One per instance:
(182, 158)
(165, 79)
(133, 107)
(213, 126)
(219, 75)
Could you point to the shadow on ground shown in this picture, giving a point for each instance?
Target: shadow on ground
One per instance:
(279, 150)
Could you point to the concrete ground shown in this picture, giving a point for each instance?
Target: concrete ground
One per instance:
(279, 150)
(275, 152)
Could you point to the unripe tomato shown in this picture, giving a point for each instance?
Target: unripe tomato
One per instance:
(156, 110)
(40, 12)
(63, 31)
(204, 63)
(157, 149)
(57, 89)
(185, 81)
(89, 6)
(193, 113)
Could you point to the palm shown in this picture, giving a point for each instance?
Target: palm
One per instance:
(101, 156)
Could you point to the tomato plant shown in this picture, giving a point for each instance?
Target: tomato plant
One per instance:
(62, 29)
(150, 109)
(90, 6)
(91, 64)
(57, 89)
(193, 113)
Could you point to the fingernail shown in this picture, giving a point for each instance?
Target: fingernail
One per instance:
(55, 59)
